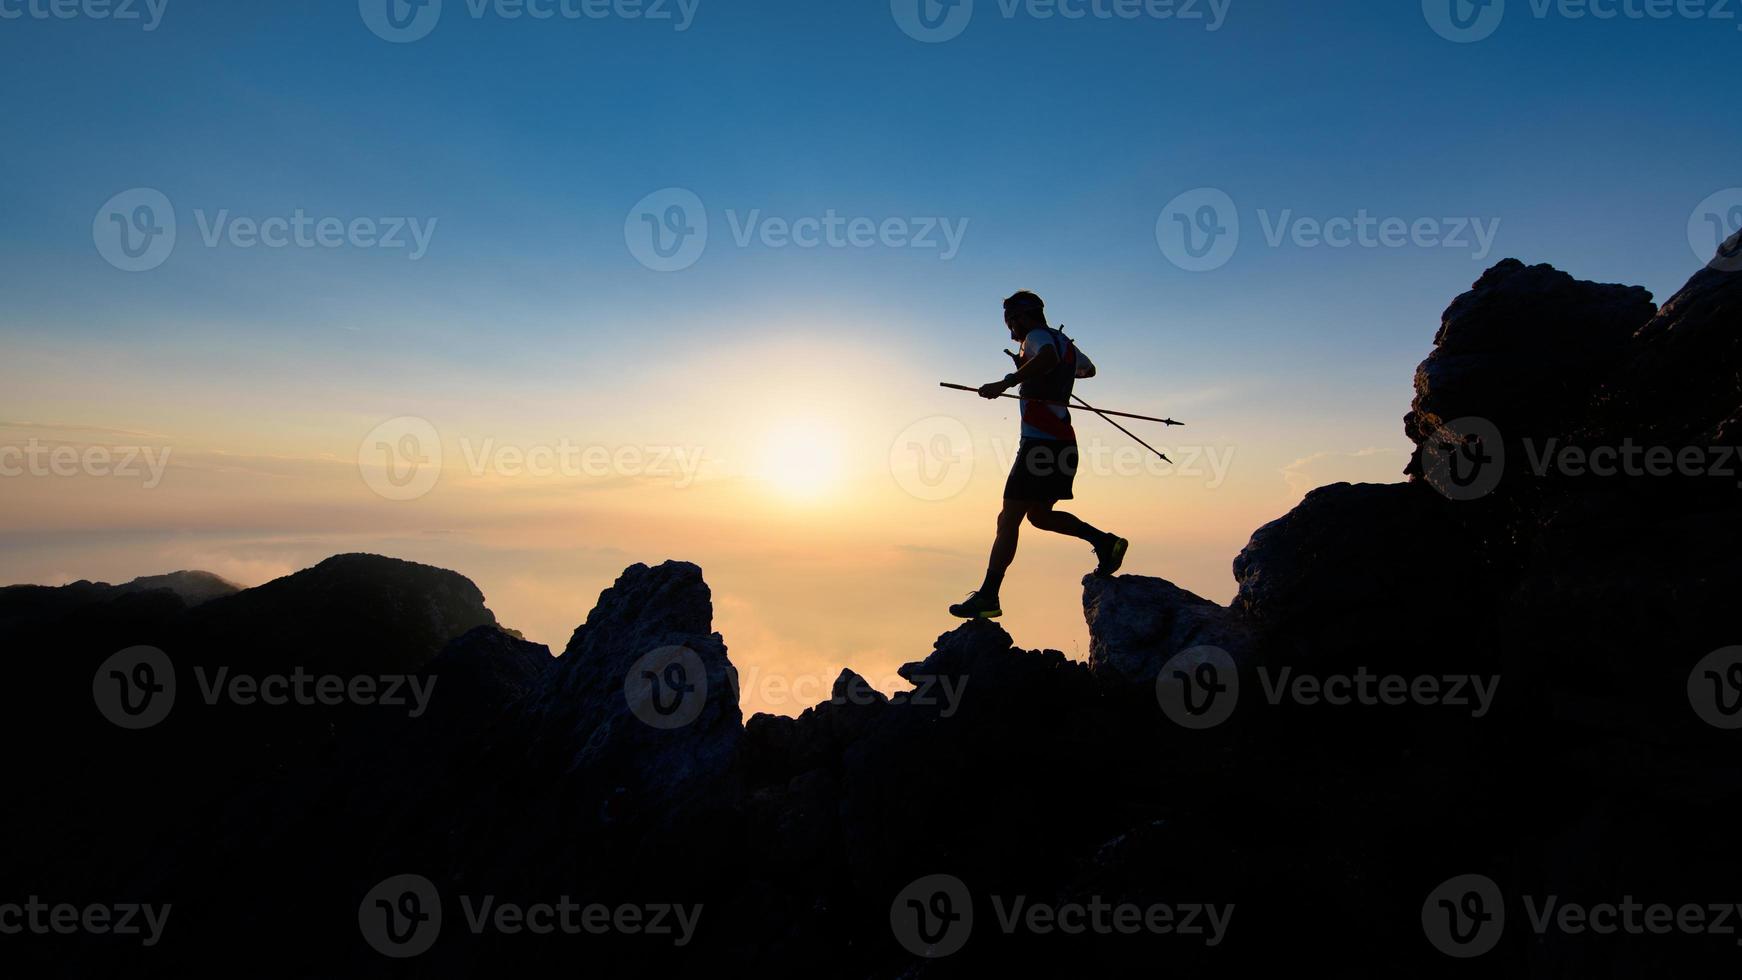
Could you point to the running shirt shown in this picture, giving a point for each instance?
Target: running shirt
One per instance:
(1051, 421)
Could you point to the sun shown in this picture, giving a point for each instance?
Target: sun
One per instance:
(800, 460)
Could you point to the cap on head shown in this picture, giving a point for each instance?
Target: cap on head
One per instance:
(1023, 301)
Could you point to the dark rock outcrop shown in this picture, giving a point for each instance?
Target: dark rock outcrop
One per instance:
(644, 695)
(349, 614)
(1136, 623)
(491, 668)
(1525, 349)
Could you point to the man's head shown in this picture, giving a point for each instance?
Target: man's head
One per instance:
(1023, 311)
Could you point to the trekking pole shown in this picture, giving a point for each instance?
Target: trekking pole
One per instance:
(1103, 412)
(1121, 428)
(1016, 359)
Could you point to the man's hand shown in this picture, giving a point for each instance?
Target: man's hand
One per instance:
(993, 389)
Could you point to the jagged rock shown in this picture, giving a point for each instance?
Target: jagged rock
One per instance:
(349, 614)
(1684, 384)
(1137, 622)
(978, 646)
(783, 747)
(490, 668)
(1525, 349)
(633, 644)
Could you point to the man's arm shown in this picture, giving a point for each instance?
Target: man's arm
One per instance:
(1042, 362)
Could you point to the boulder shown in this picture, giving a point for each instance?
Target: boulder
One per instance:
(1525, 350)
(1136, 623)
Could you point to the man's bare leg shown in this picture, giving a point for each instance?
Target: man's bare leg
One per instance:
(1004, 545)
(1042, 515)
(1109, 548)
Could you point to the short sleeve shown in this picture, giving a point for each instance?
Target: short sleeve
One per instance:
(1034, 341)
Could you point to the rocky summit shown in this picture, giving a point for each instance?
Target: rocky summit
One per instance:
(1509, 664)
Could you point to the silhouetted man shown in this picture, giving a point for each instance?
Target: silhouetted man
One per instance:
(1046, 458)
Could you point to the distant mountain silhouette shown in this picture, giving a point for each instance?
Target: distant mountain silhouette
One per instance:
(606, 774)
(23, 602)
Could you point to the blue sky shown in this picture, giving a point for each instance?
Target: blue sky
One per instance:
(1059, 141)
(1054, 145)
